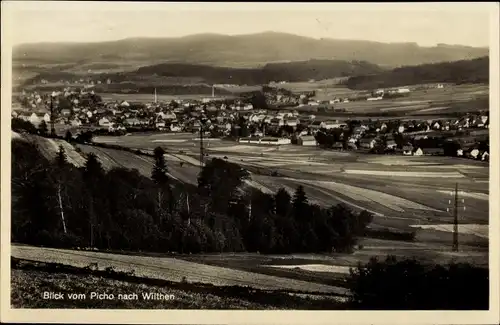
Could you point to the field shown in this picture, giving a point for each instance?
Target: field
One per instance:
(404, 194)
(325, 89)
(171, 269)
(428, 101)
(425, 103)
(377, 183)
(146, 98)
(401, 191)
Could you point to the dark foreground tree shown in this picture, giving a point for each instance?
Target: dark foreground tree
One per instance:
(299, 202)
(159, 173)
(220, 181)
(68, 136)
(160, 177)
(19, 125)
(282, 199)
(56, 204)
(61, 159)
(42, 128)
(411, 285)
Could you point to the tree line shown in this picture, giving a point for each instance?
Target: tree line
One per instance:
(55, 203)
(458, 72)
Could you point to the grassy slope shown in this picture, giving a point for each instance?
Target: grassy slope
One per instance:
(28, 287)
(30, 280)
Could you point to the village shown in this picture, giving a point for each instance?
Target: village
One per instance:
(239, 120)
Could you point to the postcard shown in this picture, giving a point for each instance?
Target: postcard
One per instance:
(250, 163)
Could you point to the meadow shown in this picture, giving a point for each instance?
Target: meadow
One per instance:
(399, 190)
(391, 187)
(132, 292)
(376, 183)
(171, 269)
(426, 101)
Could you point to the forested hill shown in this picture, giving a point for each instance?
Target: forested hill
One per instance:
(179, 73)
(459, 72)
(290, 71)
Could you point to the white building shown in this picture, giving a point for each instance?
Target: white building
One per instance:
(307, 141)
(333, 125)
(76, 122)
(291, 122)
(175, 128)
(418, 152)
(36, 119)
(104, 122)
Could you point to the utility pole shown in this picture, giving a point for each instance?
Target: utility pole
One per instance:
(250, 210)
(456, 206)
(455, 221)
(201, 146)
(187, 204)
(52, 128)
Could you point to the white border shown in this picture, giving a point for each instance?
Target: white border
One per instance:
(246, 317)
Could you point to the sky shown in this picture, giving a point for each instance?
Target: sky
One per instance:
(424, 23)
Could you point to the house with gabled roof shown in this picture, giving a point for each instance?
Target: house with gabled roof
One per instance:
(408, 149)
(391, 144)
(367, 143)
(307, 140)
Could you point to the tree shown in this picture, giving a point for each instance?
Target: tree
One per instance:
(30, 188)
(174, 104)
(92, 170)
(282, 201)
(159, 173)
(68, 136)
(299, 202)
(42, 128)
(411, 285)
(243, 127)
(61, 159)
(85, 137)
(160, 177)
(93, 174)
(19, 125)
(59, 179)
(221, 181)
(341, 220)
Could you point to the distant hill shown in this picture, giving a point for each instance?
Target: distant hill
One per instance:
(459, 72)
(242, 51)
(291, 72)
(179, 73)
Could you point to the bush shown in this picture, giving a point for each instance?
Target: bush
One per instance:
(389, 234)
(411, 285)
(19, 125)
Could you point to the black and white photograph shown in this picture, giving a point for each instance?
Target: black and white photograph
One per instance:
(255, 157)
